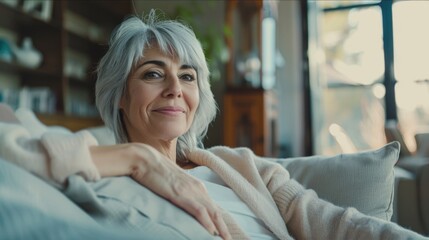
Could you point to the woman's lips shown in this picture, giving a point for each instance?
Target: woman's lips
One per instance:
(170, 110)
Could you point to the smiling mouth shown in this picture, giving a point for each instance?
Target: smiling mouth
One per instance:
(170, 111)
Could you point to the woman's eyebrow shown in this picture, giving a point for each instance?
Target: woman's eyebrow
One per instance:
(156, 62)
(185, 66)
(162, 64)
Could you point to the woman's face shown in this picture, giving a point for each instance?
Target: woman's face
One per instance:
(161, 98)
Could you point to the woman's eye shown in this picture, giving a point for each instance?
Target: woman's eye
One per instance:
(152, 75)
(187, 77)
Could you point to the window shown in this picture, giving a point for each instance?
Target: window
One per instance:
(353, 48)
(411, 66)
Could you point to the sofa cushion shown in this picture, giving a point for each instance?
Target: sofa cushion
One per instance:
(32, 209)
(363, 180)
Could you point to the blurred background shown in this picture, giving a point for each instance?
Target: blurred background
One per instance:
(292, 78)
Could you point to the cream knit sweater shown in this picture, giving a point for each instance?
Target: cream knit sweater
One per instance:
(287, 209)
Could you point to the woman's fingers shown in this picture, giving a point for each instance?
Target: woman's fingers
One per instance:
(199, 211)
(220, 224)
(189, 194)
(169, 181)
(208, 209)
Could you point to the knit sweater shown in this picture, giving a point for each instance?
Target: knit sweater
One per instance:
(289, 210)
(286, 208)
(54, 156)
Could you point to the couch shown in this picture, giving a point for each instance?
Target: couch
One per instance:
(411, 206)
(412, 197)
(31, 208)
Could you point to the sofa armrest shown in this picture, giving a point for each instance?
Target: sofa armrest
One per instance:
(405, 204)
(423, 185)
(419, 167)
(422, 144)
(412, 163)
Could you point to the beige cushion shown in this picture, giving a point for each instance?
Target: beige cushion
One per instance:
(364, 180)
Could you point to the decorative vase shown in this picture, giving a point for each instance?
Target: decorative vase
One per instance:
(27, 55)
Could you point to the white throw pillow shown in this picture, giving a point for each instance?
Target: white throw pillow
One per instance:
(34, 126)
(103, 135)
(363, 180)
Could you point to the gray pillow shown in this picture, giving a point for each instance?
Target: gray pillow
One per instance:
(32, 209)
(363, 180)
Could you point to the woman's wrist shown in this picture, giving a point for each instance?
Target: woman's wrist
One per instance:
(138, 154)
(146, 160)
(115, 160)
(130, 159)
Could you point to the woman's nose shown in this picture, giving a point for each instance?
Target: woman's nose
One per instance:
(173, 87)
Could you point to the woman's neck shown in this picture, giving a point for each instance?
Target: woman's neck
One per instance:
(166, 148)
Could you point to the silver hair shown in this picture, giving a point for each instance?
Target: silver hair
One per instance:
(126, 48)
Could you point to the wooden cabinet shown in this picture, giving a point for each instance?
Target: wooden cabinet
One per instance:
(71, 41)
(250, 108)
(251, 120)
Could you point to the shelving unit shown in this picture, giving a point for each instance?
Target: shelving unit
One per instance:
(250, 110)
(55, 40)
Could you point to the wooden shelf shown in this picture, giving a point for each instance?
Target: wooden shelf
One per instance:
(15, 68)
(72, 123)
(81, 83)
(117, 9)
(84, 44)
(15, 18)
(250, 112)
(55, 41)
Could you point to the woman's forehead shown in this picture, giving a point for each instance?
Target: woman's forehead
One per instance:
(154, 51)
(173, 49)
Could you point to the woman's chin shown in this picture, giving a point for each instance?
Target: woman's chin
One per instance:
(171, 133)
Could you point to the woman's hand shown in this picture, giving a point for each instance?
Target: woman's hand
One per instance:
(153, 170)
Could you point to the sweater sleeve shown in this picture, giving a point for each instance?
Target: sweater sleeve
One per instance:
(53, 157)
(69, 154)
(309, 217)
(17, 146)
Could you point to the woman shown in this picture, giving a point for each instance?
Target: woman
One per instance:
(153, 92)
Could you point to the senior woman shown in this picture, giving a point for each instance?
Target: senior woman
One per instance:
(153, 92)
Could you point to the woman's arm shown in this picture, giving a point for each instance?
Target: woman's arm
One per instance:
(56, 156)
(53, 157)
(153, 170)
(309, 217)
